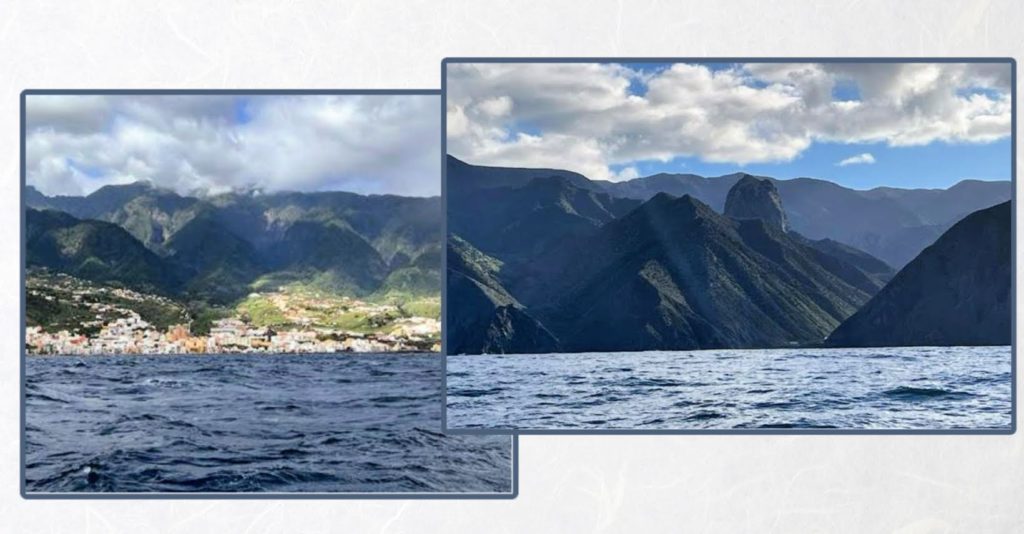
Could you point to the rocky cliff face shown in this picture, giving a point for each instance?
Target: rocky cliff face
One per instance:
(752, 198)
(956, 292)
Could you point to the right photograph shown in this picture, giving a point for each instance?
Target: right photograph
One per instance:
(729, 246)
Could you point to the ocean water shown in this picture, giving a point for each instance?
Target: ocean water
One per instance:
(320, 423)
(925, 388)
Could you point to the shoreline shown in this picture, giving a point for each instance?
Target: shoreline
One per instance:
(628, 353)
(220, 354)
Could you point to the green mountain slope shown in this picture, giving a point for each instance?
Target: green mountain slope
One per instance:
(93, 250)
(218, 248)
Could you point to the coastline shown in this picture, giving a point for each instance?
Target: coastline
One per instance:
(222, 354)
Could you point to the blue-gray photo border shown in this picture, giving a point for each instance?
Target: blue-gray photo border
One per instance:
(215, 495)
(735, 431)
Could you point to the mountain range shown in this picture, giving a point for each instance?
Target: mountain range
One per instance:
(217, 248)
(891, 224)
(546, 260)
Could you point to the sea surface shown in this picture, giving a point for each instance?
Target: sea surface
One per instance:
(249, 423)
(925, 388)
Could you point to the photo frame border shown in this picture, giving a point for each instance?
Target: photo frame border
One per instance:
(33, 495)
(1011, 62)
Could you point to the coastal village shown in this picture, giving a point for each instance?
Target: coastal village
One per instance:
(114, 327)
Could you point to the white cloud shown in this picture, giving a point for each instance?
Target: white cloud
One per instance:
(584, 117)
(860, 159)
(496, 107)
(366, 144)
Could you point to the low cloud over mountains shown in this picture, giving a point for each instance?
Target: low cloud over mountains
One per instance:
(217, 143)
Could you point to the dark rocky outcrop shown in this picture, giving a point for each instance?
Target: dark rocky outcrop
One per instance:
(752, 198)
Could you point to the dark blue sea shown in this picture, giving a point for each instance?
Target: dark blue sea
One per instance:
(922, 388)
(310, 423)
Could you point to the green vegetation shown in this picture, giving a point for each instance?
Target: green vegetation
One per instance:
(306, 280)
(328, 259)
(159, 313)
(291, 302)
(261, 311)
(204, 315)
(59, 302)
(58, 314)
(409, 283)
(424, 307)
(359, 321)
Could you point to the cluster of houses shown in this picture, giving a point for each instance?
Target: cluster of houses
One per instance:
(114, 328)
(133, 335)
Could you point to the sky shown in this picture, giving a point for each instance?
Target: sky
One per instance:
(862, 125)
(209, 144)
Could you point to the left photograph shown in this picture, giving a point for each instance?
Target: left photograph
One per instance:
(238, 293)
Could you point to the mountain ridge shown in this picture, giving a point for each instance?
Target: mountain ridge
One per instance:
(892, 224)
(219, 246)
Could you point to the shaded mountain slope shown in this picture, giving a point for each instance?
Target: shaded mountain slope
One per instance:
(856, 267)
(673, 274)
(333, 255)
(956, 292)
(462, 177)
(215, 264)
(524, 220)
(482, 316)
(417, 276)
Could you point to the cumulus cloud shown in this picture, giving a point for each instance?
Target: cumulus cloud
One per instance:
(198, 143)
(590, 118)
(860, 159)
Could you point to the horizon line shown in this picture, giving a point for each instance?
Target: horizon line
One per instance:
(962, 180)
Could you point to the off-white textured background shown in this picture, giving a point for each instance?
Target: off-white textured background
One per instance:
(570, 484)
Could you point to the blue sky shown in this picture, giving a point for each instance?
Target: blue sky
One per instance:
(914, 125)
(935, 165)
